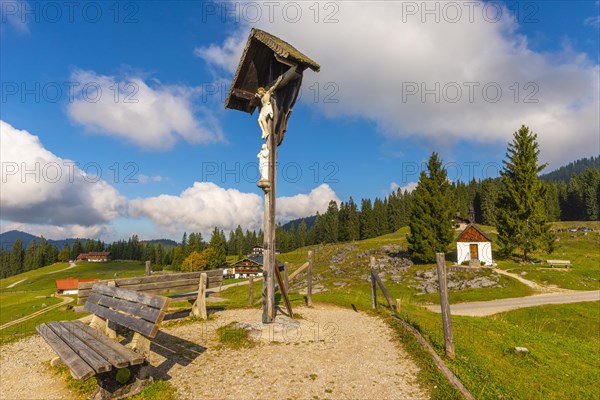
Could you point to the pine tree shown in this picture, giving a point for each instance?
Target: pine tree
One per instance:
(65, 253)
(521, 215)
(380, 217)
(431, 214)
(217, 243)
(16, 257)
(301, 234)
(353, 220)
(367, 222)
(330, 227)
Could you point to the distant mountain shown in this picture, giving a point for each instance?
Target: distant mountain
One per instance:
(310, 221)
(8, 238)
(166, 243)
(566, 172)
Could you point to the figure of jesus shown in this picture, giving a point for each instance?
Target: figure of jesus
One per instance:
(263, 166)
(266, 109)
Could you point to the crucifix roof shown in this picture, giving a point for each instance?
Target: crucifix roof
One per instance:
(255, 65)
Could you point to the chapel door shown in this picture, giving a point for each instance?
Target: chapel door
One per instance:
(473, 251)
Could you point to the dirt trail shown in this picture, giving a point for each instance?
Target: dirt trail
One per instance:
(330, 353)
(531, 284)
(65, 300)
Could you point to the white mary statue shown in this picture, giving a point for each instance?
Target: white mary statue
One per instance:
(263, 166)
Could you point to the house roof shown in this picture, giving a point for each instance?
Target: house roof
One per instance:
(258, 260)
(71, 283)
(255, 63)
(470, 234)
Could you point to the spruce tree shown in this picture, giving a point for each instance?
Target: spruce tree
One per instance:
(353, 220)
(217, 243)
(367, 220)
(330, 228)
(431, 214)
(301, 234)
(521, 214)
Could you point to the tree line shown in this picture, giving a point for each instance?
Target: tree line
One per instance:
(574, 199)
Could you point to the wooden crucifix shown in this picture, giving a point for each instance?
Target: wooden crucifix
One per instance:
(269, 76)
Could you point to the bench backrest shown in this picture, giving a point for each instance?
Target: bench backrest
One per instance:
(157, 284)
(140, 312)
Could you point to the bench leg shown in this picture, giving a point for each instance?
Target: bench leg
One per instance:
(110, 388)
(140, 344)
(199, 306)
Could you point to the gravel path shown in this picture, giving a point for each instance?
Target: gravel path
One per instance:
(330, 353)
(484, 308)
(24, 374)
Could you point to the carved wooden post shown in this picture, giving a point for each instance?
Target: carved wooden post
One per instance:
(398, 305)
(373, 284)
(251, 291)
(199, 307)
(445, 305)
(148, 269)
(286, 279)
(309, 279)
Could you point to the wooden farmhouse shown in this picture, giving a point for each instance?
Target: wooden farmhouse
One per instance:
(95, 256)
(474, 246)
(246, 267)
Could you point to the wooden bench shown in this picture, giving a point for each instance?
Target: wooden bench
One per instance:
(173, 285)
(564, 263)
(92, 350)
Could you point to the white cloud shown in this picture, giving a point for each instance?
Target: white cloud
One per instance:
(40, 188)
(200, 208)
(410, 186)
(14, 14)
(375, 54)
(592, 21)
(145, 178)
(205, 205)
(64, 231)
(304, 205)
(152, 117)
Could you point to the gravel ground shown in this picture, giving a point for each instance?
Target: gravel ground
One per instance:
(331, 353)
(24, 374)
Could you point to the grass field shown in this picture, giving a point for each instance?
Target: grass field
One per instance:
(563, 340)
(38, 287)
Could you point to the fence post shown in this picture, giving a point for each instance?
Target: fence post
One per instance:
(251, 291)
(148, 269)
(309, 278)
(373, 284)
(286, 279)
(398, 305)
(445, 306)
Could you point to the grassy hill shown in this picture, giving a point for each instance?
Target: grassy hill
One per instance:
(34, 290)
(563, 342)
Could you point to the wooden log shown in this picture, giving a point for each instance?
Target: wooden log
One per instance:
(283, 291)
(398, 305)
(294, 274)
(286, 279)
(309, 279)
(373, 284)
(79, 368)
(148, 268)
(251, 291)
(199, 307)
(445, 306)
(388, 299)
(437, 359)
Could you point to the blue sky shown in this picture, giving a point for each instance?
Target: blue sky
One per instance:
(154, 152)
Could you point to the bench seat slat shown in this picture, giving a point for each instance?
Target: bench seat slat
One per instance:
(115, 353)
(139, 310)
(91, 357)
(79, 368)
